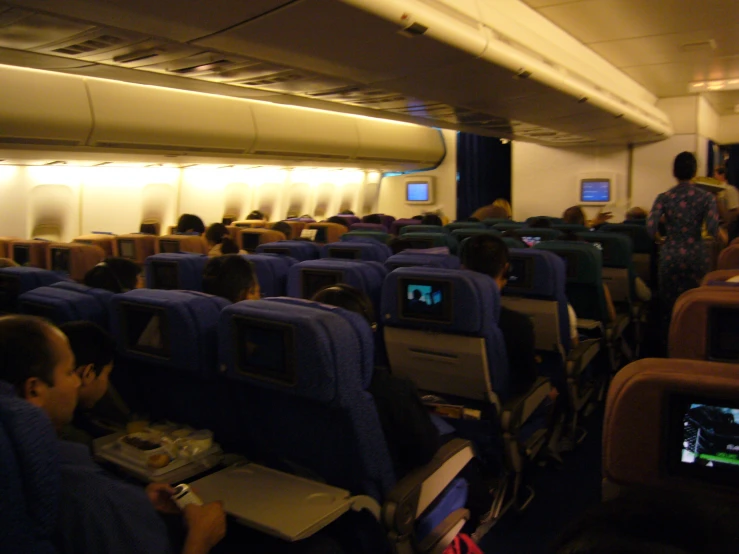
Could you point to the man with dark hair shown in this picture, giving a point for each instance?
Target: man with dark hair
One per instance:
(284, 228)
(372, 218)
(189, 223)
(489, 255)
(97, 513)
(337, 219)
(432, 219)
(231, 277)
(116, 275)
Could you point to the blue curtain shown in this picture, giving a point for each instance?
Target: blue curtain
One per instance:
(483, 172)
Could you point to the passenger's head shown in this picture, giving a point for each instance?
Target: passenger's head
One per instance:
(504, 205)
(283, 228)
(488, 255)
(115, 274)
(636, 213)
(372, 218)
(574, 216)
(337, 219)
(257, 215)
(346, 212)
(231, 277)
(36, 360)
(189, 223)
(93, 350)
(541, 223)
(218, 234)
(685, 166)
(349, 298)
(432, 219)
(720, 173)
(418, 217)
(7, 262)
(397, 245)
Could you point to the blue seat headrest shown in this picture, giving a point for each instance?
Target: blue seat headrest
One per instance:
(61, 305)
(184, 267)
(272, 271)
(300, 250)
(368, 251)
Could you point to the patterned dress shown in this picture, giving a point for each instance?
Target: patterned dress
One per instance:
(683, 259)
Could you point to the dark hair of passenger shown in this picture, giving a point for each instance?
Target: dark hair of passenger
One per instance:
(114, 274)
(485, 254)
(685, 166)
(25, 350)
(346, 212)
(229, 277)
(256, 214)
(283, 228)
(541, 223)
(90, 343)
(498, 212)
(432, 219)
(397, 245)
(720, 170)
(655, 521)
(372, 218)
(574, 216)
(350, 298)
(189, 223)
(418, 217)
(337, 219)
(218, 233)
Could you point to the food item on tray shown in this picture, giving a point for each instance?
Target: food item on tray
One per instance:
(140, 442)
(158, 461)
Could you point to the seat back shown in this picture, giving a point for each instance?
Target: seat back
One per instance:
(29, 476)
(432, 240)
(172, 244)
(355, 250)
(350, 219)
(410, 258)
(62, 305)
(491, 221)
(378, 236)
(150, 227)
(182, 271)
(719, 275)
(569, 227)
(14, 281)
(398, 224)
(73, 260)
(300, 250)
(729, 257)
(441, 331)
(104, 241)
(101, 296)
(423, 229)
(302, 372)
(250, 239)
(665, 420)
(5, 250)
(136, 246)
(250, 223)
(642, 245)
(451, 227)
(296, 228)
(368, 227)
(30, 253)
(387, 220)
(584, 277)
(705, 325)
(327, 232)
(534, 236)
(465, 233)
(618, 266)
(272, 271)
(508, 225)
(552, 220)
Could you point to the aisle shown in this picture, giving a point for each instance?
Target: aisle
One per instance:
(561, 496)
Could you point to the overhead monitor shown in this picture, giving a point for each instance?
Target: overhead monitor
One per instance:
(148, 228)
(313, 280)
(169, 246)
(21, 254)
(425, 300)
(595, 192)
(265, 349)
(60, 260)
(127, 248)
(250, 241)
(419, 190)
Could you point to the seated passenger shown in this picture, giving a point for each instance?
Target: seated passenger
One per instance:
(489, 255)
(256, 215)
(116, 275)
(432, 219)
(220, 241)
(284, 228)
(636, 214)
(7, 262)
(541, 223)
(339, 220)
(100, 411)
(574, 215)
(412, 437)
(97, 512)
(346, 212)
(372, 218)
(189, 223)
(231, 277)
(490, 211)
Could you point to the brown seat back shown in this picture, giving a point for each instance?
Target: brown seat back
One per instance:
(333, 231)
(249, 239)
(74, 259)
(719, 275)
(136, 247)
(106, 242)
(184, 243)
(32, 253)
(729, 258)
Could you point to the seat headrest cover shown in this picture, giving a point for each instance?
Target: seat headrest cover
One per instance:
(429, 257)
(617, 249)
(588, 258)
(541, 278)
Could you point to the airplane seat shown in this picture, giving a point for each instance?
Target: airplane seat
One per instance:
(441, 331)
(368, 227)
(451, 227)
(532, 236)
(705, 325)
(272, 271)
(150, 227)
(514, 242)
(552, 220)
(30, 253)
(432, 240)
(105, 241)
(250, 239)
(569, 227)
(719, 276)
(73, 260)
(355, 250)
(29, 476)
(423, 229)
(15, 281)
(467, 232)
(5, 248)
(62, 305)
(327, 232)
(136, 246)
(729, 258)
(180, 271)
(168, 355)
(304, 378)
(296, 227)
(301, 219)
(643, 248)
(363, 236)
(398, 224)
(171, 244)
(508, 225)
(350, 219)
(661, 427)
(490, 222)
(387, 220)
(250, 223)
(300, 250)
(102, 296)
(415, 258)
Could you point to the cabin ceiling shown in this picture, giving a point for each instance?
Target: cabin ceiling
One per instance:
(663, 45)
(329, 55)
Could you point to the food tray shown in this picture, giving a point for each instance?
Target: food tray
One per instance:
(112, 452)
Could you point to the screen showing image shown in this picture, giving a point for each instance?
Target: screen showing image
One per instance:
(166, 276)
(710, 436)
(723, 330)
(314, 280)
(60, 260)
(309, 234)
(264, 350)
(21, 255)
(520, 272)
(145, 329)
(531, 241)
(345, 253)
(417, 191)
(321, 234)
(127, 249)
(250, 241)
(426, 300)
(169, 246)
(595, 190)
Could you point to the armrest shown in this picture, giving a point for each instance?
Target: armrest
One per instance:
(410, 497)
(518, 409)
(580, 356)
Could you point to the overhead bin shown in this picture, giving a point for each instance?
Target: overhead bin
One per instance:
(402, 142)
(42, 108)
(151, 118)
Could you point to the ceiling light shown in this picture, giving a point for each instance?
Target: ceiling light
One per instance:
(717, 84)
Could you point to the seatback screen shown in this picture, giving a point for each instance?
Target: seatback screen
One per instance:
(595, 190)
(250, 241)
(169, 246)
(9, 288)
(723, 333)
(426, 300)
(265, 349)
(321, 234)
(127, 249)
(417, 191)
(60, 260)
(166, 276)
(314, 280)
(146, 330)
(148, 228)
(345, 253)
(570, 261)
(520, 273)
(21, 255)
(531, 241)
